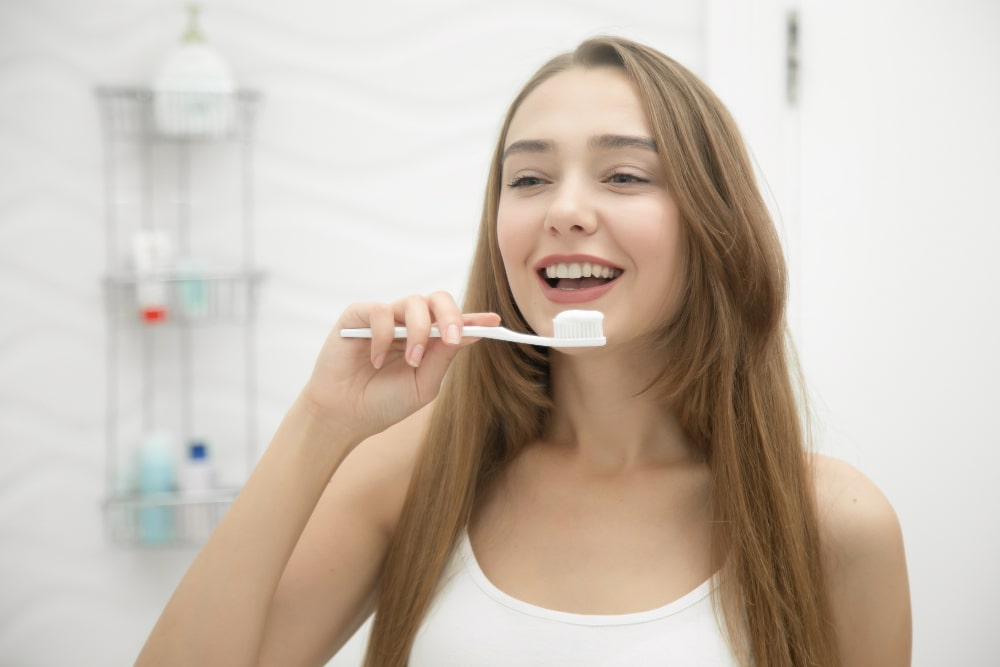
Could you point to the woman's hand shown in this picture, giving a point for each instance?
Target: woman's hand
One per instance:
(364, 386)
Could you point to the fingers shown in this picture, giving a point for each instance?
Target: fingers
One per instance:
(417, 318)
(448, 317)
(382, 322)
(417, 314)
(450, 322)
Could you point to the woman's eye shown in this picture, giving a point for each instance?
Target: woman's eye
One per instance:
(622, 178)
(524, 182)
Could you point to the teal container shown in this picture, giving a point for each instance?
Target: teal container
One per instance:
(157, 482)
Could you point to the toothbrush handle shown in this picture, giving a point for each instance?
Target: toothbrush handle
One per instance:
(496, 333)
(400, 332)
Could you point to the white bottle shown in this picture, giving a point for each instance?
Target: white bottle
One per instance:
(197, 486)
(152, 259)
(197, 474)
(193, 90)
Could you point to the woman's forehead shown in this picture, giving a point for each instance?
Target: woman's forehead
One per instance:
(580, 101)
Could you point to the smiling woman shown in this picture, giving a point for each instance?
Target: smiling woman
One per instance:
(505, 504)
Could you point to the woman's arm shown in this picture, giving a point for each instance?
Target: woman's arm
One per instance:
(326, 591)
(245, 591)
(866, 567)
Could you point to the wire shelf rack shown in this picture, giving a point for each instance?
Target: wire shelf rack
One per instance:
(141, 114)
(178, 167)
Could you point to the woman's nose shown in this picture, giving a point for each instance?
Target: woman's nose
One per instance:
(571, 211)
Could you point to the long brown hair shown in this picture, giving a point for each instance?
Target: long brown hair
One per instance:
(726, 374)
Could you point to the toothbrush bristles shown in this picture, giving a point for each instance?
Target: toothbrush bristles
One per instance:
(579, 325)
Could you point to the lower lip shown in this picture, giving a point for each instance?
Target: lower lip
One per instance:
(557, 295)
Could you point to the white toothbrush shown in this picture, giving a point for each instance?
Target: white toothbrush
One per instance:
(571, 328)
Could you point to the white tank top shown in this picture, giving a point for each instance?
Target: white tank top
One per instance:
(472, 623)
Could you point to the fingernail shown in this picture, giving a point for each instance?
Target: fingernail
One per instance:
(416, 354)
(452, 335)
(378, 361)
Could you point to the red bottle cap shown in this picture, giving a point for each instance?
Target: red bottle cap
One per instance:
(154, 314)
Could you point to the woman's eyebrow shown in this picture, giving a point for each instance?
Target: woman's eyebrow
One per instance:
(599, 142)
(612, 141)
(528, 146)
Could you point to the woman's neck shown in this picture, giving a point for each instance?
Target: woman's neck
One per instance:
(606, 418)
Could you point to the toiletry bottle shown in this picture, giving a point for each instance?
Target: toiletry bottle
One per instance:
(157, 481)
(192, 290)
(197, 476)
(152, 259)
(197, 484)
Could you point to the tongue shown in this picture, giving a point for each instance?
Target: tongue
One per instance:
(579, 283)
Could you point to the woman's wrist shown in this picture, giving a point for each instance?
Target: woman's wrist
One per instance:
(324, 426)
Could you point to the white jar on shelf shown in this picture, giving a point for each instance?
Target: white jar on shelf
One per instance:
(194, 89)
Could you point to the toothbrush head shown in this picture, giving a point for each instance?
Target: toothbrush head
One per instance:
(578, 328)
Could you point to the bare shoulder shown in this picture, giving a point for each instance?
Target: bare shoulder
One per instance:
(865, 565)
(854, 514)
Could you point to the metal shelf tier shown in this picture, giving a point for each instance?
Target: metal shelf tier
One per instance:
(205, 298)
(140, 114)
(167, 519)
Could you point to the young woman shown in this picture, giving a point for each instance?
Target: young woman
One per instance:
(646, 502)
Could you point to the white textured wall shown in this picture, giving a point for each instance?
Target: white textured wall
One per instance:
(373, 141)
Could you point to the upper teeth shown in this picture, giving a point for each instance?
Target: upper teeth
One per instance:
(581, 270)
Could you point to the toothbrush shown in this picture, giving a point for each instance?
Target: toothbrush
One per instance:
(571, 328)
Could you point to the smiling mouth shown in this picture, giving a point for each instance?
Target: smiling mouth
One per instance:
(578, 275)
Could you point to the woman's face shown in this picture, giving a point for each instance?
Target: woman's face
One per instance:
(585, 220)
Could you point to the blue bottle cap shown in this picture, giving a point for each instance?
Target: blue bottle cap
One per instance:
(197, 451)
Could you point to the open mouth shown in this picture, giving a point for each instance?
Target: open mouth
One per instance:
(578, 275)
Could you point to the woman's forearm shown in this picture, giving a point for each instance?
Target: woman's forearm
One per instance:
(218, 612)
